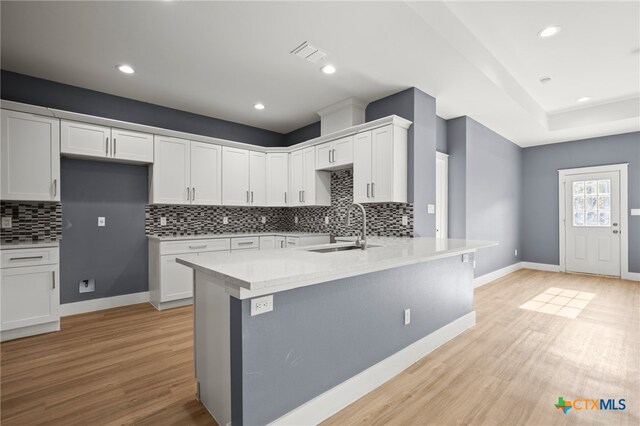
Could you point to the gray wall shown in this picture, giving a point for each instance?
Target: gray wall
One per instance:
(115, 255)
(485, 191)
(318, 336)
(540, 175)
(302, 134)
(441, 135)
(36, 91)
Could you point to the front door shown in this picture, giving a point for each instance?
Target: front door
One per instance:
(592, 231)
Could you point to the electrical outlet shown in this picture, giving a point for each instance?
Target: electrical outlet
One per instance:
(263, 219)
(102, 221)
(474, 264)
(295, 219)
(431, 209)
(516, 252)
(163, 221)
(405, 220)
(262, 305)
(407, 316)
(326, 220)
(225, 220)
(6, 222)
(635, 212)
(87, 286)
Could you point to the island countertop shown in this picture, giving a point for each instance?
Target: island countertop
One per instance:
(252, 273)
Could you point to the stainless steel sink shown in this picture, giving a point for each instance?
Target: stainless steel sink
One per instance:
(340, 248)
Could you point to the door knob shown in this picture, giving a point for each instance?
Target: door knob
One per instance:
(614, 224)
(615, 231)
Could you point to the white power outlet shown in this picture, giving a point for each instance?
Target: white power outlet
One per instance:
(431, 209)
(6, 222)
(163, 221)
(405, 220)
(102, 221)
(326, 220)
(225, 220)
(263, 219)
(407, 316)
(295, 219)
(262, 305)
(516, 252)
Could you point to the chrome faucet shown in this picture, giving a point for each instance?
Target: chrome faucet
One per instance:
(362, 243)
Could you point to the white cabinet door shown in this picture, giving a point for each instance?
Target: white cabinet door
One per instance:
(29, 296)
(176, 279)
(323, 155)
(235, 177)
(342, 151)
(257, 178)
(171, 171)
(297, 177)
(382, 154)
(267, 243)
(206, 174)
(132, 146)
(293, 242)
(29, 157)
(85, 139)
(309, 171)
(280, 242)
(362, 168)
(277, 179)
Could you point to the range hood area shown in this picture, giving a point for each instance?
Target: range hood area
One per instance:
(342, 115)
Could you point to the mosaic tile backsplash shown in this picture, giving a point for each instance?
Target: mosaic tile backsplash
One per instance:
(31, 222)
(382, 219)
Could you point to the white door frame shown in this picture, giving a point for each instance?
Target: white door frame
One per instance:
(624, 212)
(443, 206)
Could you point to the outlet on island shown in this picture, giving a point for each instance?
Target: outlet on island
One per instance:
(261, 305)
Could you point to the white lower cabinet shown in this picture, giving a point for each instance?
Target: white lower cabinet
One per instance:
(267, 243)
(280, 242)
(29, 292)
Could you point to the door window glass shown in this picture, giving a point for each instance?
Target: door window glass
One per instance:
(592, 202)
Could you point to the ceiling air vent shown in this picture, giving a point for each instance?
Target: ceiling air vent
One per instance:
(308, 52)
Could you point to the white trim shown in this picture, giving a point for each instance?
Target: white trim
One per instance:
(104, 303)
(624, 211)
(491, 276)
(444, 205)
(442, 155)
(32, 330)
(540, 266)
(335, 399)
(161, 306)
(632, 276)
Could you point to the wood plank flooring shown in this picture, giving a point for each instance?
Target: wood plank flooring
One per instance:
(134, 365)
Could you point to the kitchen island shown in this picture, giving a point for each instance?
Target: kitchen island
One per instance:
(338, 327)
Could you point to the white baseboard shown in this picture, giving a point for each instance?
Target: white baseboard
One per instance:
(161, 306)
(104, 303)
(633, 276)
(491, 276)
(335, 399)
(541, 266)
(18, 333)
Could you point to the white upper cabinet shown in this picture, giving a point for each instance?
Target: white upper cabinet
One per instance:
(277, 179)
(29, 157)
(88, 140)
(235, 177)
(258, 178)
(335, 154)
(206, 174)
(171, 171)
(380, 165)
(308, 186)
(296, 177)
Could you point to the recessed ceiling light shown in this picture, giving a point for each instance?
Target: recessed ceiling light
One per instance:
(259, 106)
(545, 80)
(583, 99)
(127, 69)
(549, 31)
(328, 69)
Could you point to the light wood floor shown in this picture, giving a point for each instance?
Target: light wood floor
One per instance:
(134, 365)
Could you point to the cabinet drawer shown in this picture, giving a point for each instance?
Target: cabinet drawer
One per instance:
(29, 257)
(194, 246)
(244, 243)
(293, 241)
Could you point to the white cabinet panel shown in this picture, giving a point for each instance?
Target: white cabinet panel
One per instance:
(362, 168)
(235, 177)
(280, 242)
(132, 146)
(206, 174)
(277, 179)
(323, 155)
(335, 154)
(309, 187)
(171, 171)
(85, 139)
(296, 177)
(176, 279)
(382, 164)
(244, 243)
(29, 157)
(29, 296)
(293, 242)
(257, 178)
(267, 243)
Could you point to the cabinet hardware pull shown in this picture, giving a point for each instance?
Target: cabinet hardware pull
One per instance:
(114, 147)
(193, 193)
(281, 244)
(55, 187)
(329, 156)
(198, 247)
(247, 197)
(333, 155)
(368, 187)
(53, 275)
(188, 194)
(300, 196)
(373, 189)
(285, 197)
(26, 258)
(106, 146)
(303, 191)
(244, 243)
(251, 197)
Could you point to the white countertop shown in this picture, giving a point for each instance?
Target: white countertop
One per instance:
(234, 235)
(249, 274)
(29, 245)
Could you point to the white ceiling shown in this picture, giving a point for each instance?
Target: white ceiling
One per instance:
(482, 59)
